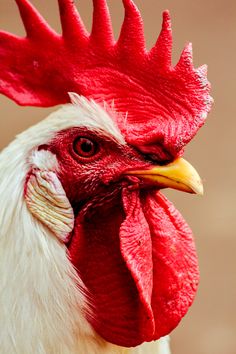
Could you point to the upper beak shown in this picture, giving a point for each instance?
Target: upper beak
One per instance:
(178, 174)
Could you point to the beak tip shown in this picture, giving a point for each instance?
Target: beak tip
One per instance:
(198, 189)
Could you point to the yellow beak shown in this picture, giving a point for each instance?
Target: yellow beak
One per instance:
(178, 174)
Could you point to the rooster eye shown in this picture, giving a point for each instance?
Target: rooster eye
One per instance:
(85, 147)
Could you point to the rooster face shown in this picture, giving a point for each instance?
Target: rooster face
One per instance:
(92, 164)
(132, 250)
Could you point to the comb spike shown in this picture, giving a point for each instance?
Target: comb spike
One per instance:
(186, 58)
(131, 37)
(162, 50)
(35, 25)
(71, 23)
(102, 28)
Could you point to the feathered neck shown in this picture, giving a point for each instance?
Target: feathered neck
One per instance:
(42, 295)
(42, 302)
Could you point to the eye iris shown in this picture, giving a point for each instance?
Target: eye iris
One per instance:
(85, 147)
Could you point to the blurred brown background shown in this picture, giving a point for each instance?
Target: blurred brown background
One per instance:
(210, 325)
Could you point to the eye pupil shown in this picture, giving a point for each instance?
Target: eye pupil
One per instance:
(85, 147)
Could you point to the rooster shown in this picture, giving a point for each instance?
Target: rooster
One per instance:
(93, 258)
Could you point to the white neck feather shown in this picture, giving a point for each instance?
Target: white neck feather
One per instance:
(41, 308)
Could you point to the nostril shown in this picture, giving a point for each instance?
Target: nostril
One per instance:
(156, 154)
(155, 160)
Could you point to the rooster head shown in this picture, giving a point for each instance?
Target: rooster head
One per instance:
(94, 179)
(131, 249)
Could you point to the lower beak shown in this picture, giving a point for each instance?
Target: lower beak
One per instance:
(178, 174)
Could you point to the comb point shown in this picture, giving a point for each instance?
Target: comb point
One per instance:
(34, 23)
(186, 58)
(71, 23)
(162, 50)
(102, 28)
(131, 37)
(129, 5)
(166, 20)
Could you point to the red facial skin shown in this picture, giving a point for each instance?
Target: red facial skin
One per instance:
(132, 249)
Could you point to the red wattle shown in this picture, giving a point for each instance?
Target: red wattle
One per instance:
(175, 264)
(139, 266)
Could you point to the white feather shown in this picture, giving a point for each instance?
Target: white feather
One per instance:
(43, 160)
(41, 307)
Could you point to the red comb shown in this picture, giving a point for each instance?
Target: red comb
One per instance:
(165, 105)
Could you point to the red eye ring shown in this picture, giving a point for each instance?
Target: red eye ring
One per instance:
(85, 147)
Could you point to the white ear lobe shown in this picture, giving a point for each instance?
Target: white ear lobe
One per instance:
(47, 201)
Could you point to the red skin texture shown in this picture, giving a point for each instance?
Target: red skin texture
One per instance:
(132, 249)
(141, 283)
(166, 105)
